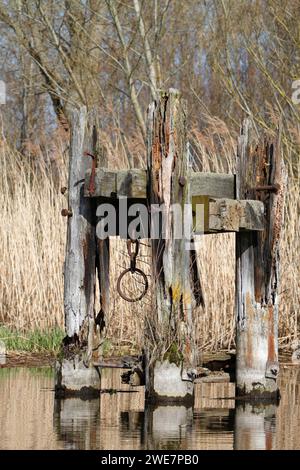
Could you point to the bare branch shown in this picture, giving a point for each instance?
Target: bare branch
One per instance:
(128, 67)
(147, 49)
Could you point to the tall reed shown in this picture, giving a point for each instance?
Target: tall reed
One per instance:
(32, 241)
(32, 235)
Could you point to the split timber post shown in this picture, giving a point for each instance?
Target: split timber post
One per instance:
(75, 373)
(260, 175)
(170, 352)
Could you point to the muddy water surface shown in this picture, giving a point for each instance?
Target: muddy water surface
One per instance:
(30, 417)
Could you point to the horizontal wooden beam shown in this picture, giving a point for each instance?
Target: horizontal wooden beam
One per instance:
(133, 184)
(105, 184)
(111, 183)
(218, 185)
(215, 208)
(227, 215)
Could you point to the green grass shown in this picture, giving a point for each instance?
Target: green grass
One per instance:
(34, 371)
(32, 341)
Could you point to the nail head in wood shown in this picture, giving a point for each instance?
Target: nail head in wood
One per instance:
(66, 213)
(182, 181)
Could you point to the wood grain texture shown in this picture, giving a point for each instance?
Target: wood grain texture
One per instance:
(105, 183)
(228, 215)
(79, 271)
(259, 163)
(98, 324)
(172, 320)
(218, 185)
(75, 373)
(133, 183)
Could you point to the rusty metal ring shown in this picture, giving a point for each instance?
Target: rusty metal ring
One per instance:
(124, 296)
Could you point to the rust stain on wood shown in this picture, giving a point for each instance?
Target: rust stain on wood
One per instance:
(166, 139)
(86, 242)
(167, 167)
(272, 356)
(104, 294)
(250, 314)
(188, 349)
(260, 165)
(156, 154)
(269, 442)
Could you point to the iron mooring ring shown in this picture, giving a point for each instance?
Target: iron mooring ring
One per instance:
(121, 293)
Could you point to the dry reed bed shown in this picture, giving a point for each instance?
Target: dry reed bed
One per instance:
(32, 235)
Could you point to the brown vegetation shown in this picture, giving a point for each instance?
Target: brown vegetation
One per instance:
(32, 254)
(230, 58)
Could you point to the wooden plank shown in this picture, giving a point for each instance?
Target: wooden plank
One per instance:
(105, 183)
(133, 183)
(226, 215)
(224, 378)
(259, 164)
(200, 210)
(253, 215)
(217, 185)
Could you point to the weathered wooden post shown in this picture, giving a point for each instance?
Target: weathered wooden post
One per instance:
(75, 374)
(170, 349)
(98, 327)
(260, 176)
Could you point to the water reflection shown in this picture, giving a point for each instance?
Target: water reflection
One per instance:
(120, 420)
(167, 427)
(254, 427)
(76, 423)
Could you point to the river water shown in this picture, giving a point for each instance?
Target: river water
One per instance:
(30, 417)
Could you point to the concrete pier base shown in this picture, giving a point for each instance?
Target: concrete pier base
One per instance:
(73, 378)
(169, 383)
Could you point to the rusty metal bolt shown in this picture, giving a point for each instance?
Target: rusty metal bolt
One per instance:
(88, 154)
(182, 181)
(91, 187)
(272, 188)
(66, 213)
(63, 190)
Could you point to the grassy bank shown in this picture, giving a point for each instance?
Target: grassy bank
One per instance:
(36, 341)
